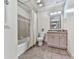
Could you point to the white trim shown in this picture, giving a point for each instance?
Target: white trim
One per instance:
(69, 10)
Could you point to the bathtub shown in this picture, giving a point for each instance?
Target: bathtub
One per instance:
(22, 45)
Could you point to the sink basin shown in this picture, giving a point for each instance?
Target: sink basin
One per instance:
(56, 30)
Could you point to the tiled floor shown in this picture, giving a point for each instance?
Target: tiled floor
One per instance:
(45, 52)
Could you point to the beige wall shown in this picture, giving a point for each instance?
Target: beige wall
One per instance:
(23, 10)
(68, 24)
(43, 21)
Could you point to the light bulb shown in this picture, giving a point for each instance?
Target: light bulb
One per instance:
(40, 5)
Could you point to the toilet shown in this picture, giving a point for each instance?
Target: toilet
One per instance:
(41, 39)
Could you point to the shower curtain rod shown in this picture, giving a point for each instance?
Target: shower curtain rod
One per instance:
(22, 2)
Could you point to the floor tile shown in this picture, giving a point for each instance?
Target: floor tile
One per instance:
(45, 52)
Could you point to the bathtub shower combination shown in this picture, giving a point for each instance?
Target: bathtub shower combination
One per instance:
(27, 27)
(23, 34)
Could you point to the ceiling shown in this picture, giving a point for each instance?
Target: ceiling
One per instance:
(69, 4)
(48, 4)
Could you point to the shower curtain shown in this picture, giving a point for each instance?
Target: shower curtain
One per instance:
(23, 27)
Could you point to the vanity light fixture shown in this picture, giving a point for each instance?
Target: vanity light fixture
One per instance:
(51, 14)
(59, 12)
(54, 13)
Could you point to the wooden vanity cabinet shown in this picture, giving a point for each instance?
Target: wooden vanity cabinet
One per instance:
(57, 39)
(53, 39)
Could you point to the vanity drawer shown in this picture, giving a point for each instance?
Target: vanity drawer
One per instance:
(53, 40)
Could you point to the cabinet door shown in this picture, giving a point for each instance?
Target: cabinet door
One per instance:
(63, 41)
(53, 40)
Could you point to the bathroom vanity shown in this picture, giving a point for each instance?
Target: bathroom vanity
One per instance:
(57, 39)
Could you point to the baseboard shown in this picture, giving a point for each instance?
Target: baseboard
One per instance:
(70, 54)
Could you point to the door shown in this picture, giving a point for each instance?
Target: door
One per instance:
(10, 30)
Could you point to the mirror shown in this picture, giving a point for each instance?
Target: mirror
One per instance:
(55, 22)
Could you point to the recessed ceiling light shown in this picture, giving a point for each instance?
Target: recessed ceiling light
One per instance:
(38, 1)
(55, 13)
(40, 5)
